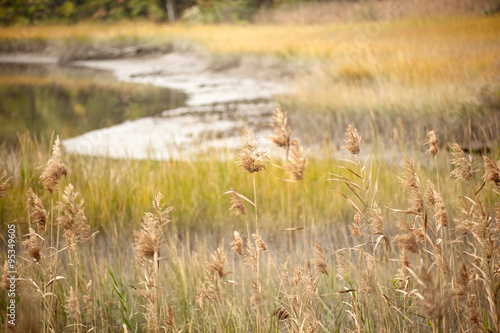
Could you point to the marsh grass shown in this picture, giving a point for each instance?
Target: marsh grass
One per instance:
(366, 258)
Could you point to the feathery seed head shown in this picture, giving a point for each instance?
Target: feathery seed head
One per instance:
(237, 244)
(464, 167)
(259, 243)
(38, 214)
(281, 314)
(341, 268)
(72, 305)
(319, 259)
(54, 169)
(72, 218)
(256, 298)
(251, 160)
(216, 265)
(297, 161)
(376, 221)
(492, 171)
(432, 143)
(4, 184)
(352, 140)
(408, 242)
(281, 128)
(411, 181)
(5, 284)
(33, 248)
(237, 205)
(461, 287)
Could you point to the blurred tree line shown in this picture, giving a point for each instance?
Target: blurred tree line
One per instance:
(43, 11)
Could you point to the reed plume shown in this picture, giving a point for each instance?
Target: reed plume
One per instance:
(440, 212)
(54, 169)
(250, 159)
(492, 171)
(5, 284)
(256, 297)
(297, 161)
(214, 274)
(376, 221)
(237, 244)
(4, 184)
(319, 259)
(32, 246)
(464, 167)
(148, 239)
(411, 181)
(259, 243)
(341, 268)
(72, 218)
(237, 205)
(38, 214)
(432, 143)
(281, 128)
(72, 305)
(281, 314)
(216, 266)
(352, 140)
(461, 286)
(408, 242)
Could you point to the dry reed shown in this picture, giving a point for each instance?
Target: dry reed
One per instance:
(54, 169)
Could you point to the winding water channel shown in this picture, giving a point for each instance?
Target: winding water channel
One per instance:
(172, 105)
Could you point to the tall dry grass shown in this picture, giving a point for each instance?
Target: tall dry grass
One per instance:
(427, 261)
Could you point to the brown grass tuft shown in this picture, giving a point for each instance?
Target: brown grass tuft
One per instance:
(492, 171)
(432, 143)
(54, 169)
(251, 160)
(464, 167)
(352, 141)
(38, 214)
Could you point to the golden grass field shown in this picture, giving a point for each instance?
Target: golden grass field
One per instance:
(386, 227)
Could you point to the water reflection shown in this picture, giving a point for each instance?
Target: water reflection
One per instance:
(70, 101)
